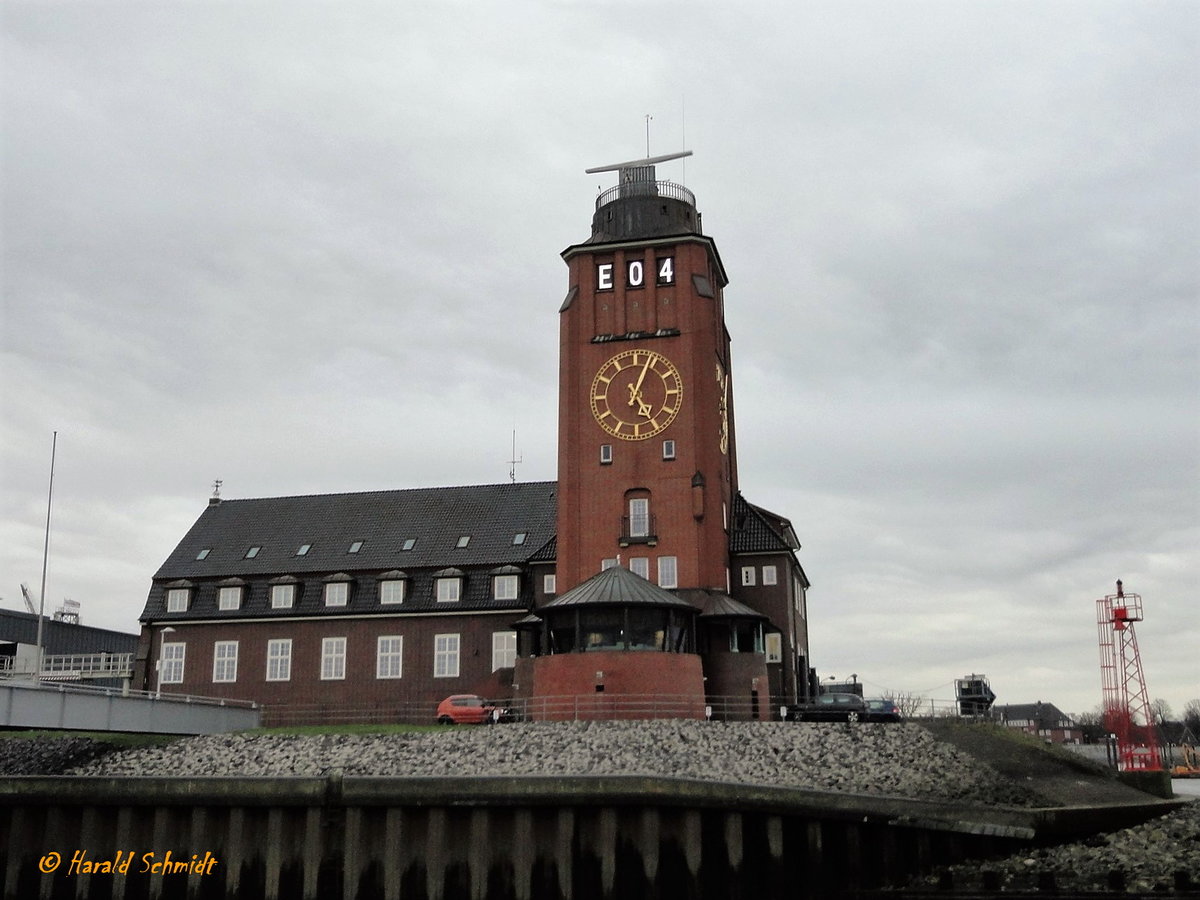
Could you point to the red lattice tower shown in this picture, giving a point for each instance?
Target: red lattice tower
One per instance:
(1127, 712)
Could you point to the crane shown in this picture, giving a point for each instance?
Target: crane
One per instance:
(28, 600)
(1126, 704)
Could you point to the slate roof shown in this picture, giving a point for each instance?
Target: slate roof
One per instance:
(756, 530)
(1046, 715)
(616, 586)
(718, 605)
(434, 518)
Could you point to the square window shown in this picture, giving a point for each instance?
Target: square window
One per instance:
(389, 656)
(283, 596)
(504, 649)
(770, 575)
(337, 593)
(333, 659)
(409, 543)
(177, 600)
(747, 576)
(203, 554)
(279, 660)
(505, 587)
(668, 572)
(549, 585)
(668, 449)
(391, 591)
(445, 656)
(355, 547)
(225, 655)
(229, 598)
(640, 565)
(519, 538)
(303, 549)
(252, 552)
(449, 590)
(170, 666)
(463, 541)
(606, 454)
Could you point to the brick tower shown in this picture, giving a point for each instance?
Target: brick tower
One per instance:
(646, 458)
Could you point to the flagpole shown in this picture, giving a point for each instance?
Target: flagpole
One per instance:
(45, 562)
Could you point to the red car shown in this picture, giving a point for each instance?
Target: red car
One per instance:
(468, 709)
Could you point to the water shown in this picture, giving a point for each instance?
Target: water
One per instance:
(1186, 787)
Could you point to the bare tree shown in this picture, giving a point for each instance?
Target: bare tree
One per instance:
(908, 704)
(1160, 709)
(1191, 717)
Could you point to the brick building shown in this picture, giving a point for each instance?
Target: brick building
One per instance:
(642, 572)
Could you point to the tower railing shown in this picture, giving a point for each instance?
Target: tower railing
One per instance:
(666, 189)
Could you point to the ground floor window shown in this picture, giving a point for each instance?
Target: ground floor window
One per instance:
(225, 655)
(504, 649)
(170, 667)
(445, 656)
(389, 656)
(279, 660)
(333, 659)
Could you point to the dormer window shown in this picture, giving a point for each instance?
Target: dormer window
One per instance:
(337, 589)
(447, 585)
(506, 583)
(177, 598)
(229, 597)
(392, 587)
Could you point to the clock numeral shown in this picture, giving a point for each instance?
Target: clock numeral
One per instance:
(666, 270)
(636, 273)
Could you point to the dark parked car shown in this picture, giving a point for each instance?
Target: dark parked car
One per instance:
(831, 708)
(883, 711)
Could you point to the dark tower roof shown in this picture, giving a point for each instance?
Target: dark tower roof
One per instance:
(640, 206)
(617, 586)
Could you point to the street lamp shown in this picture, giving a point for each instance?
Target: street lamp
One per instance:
(159, 664)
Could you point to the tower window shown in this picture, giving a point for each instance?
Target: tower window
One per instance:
(606, 454)
(748, 576)
(639, 517)
(640, 565)
(668, 449)
(668, 572)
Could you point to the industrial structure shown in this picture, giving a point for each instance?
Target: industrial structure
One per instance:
(640, 583)
(1126, 703)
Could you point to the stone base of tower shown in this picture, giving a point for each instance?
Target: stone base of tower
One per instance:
(617, 685)
(738, 686)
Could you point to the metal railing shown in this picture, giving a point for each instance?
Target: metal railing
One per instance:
(667, 189)
(73, 666)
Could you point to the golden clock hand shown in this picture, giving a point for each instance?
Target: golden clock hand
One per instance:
(637, 388)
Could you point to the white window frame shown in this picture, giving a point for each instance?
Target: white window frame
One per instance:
(606, 454)
(668, 571)
(170, 662)
(225, 658)
(506, 587)
(389, 656)
(640, 565)
(229, 598)
(639, 516)
(773, 645)
(177, 599)
(748, 579)
(392, 591)
(337, 593)
(279, 659)
(770, 575)
(333, 659)
(283, 596)
(448, 590)
(549, 584)
(446, 649)
(504, 649)
(668, 449)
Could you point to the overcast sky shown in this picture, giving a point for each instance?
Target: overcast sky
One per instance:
(255, 242)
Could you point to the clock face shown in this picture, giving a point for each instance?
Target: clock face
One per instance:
(636, 394)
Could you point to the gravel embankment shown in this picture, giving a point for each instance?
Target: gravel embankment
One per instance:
(904, 760)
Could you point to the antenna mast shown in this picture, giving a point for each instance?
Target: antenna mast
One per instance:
(514, 459)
